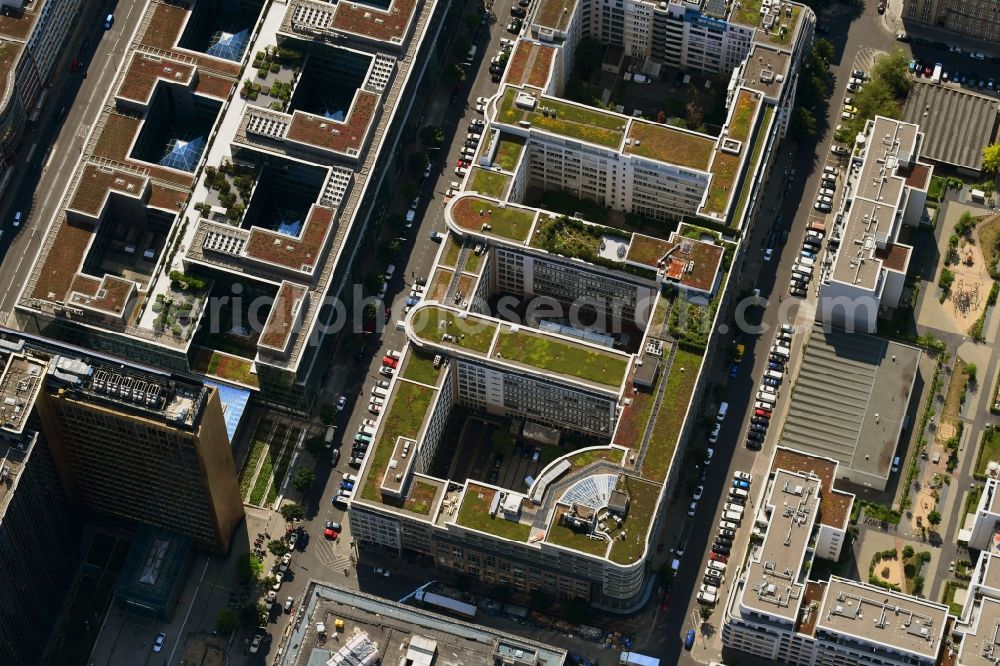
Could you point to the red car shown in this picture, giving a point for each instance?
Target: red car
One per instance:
(719, 558)
(390, 362)
(928, 70)
(463, 162)
(762, 412)
(74, 65)
(330, 531)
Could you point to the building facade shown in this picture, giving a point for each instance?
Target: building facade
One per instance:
(973, 18)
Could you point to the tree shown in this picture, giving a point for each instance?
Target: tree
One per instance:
(893, 69)
(589, 56)
(539, 600)
(374, 281)
(454, 75)
(693, 115)
(803, 124)
(315, 445)
(934, 518)
(253, 615)
(249, 568)
(946, 279)
(661, 117)
(227, 621)
(823, 50)
(970, 371)
(432, 136)
(278, 547)
(328, 413)
(303, 479)
(292, 512)
(991, 157)
(907, 551)
(577, 610)
(705, 612)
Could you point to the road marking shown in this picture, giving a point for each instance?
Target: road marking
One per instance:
(31, 153)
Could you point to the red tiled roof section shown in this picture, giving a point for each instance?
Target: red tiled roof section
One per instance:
(62, 262)
(834, 505)
(116, 137)
(272, 247)
(374, 23)
(116, 292)
(894, 256)
(143, 73)
(213, 86)
(164, 27)
(166, 197)
(331, 134)
(916, 176)
(279, 321)
(17, 25)
(95, 184)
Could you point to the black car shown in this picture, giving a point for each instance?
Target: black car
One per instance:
(518, 12)
(759, 427)
(497, 461)
(736, 499)
(496, 68)
(493, 476)
(752, 445)
(720, 549)
(523, 3)
(708, 580)
(760, 420)
(756, 436)
(723, 541)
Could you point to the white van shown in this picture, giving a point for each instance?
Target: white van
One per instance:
(775, 374)
(739, 492)
(802, 270)
(723, 410)
(732, 518)
(737, 508)
(715, 564)
(806, 261)
(726, 525)
(783, 352)
(706, 598)
(769, 398)
(367, 430)
(379, 392)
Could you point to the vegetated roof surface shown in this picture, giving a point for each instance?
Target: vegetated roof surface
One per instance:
(567, 119)
(116, 137)
(333, 135)
(374, 22)
(474, 513)
(143, 73)
(554, 13)
(669, 144)
(295, 253)
(470, 332)
(63, 261)
(561, 356)
(278, 327)
(165, 26)
(95, 183)
(470, 212)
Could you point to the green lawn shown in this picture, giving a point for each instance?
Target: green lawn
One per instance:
(472, 332)
(421, 497)
(724, 170)
(257, 445)
(475, 514)
(646, 249)
(563, 357)
(739, 126)
(490, 183)
(937, 188)
(581, 460)
(567, 538)
(989, 449)
(420, 368)
(569, 120)
(948, 596)
(748, 182)
(680, 386)
(452, 250)
(472, 213)
(509, 151)
(407, 412)
(668, 144)
(473, 261)
(642, 503)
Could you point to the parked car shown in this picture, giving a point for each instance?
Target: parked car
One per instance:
(158, 641)
(379, 571)
(692, 509)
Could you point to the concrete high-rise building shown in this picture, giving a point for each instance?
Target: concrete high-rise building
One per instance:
(130, 443)
(32, 34)
(973, 18)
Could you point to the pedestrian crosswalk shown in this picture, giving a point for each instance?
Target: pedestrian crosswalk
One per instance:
(334, 555)
(865, 58)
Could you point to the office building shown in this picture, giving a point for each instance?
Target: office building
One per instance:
(33, 34)
(979, 19)
(885, 187)
(340, 627)
(131, 444)
(775, 612)
(178, 178)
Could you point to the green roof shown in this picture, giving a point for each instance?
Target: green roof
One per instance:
(490, 183)
(561, 356)
(758, 148)
(420, 368)
(475, 514)
(643, 497)
(470, 332)
(508, 151)
(408, 407)
(669, 144)
(574, 121)
(470, 212)
(725, 168)
(680, 386)
(742, 117)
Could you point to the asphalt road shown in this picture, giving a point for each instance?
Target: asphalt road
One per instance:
(49, 153)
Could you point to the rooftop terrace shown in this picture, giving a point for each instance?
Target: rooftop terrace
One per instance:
(564, 118)
(345, 137)
(687, 261)
(530, 64)
(144, 71)
(297, 253)
(669, 144)
(97, 182)
(555, 14)
(504, 219)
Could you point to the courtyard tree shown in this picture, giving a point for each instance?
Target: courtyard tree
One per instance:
(227, 621)
(278, 547)
(328, 413)
(934, 518)
(991, 158)
(803, 125)
(249, 569)
(315, 445)
(292, 512)
(705, 612)
(253, 615)
(893, 68)
(303, 479)
(432, 136)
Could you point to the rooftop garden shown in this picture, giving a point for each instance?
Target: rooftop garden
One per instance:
(555, 13)
(439, 285)
(584, 458)
(453, 248)
(646, 250)
(563, 357)
(746, 12)
(407, 410)
(725, 168)
(739, 124)
(669, 144)
(475, 514)
(642, 505)
(421, 497)
(680, 386)
(472, 213)
(224, 366)
(490, 183)
(563, 536)
(419, 367)
(784, 36)
(571, 238)
(758, 148)
(472, 332)
(508, 151)
(570, 120)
